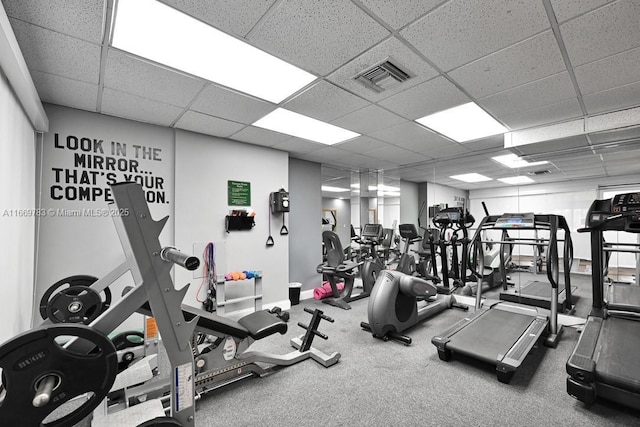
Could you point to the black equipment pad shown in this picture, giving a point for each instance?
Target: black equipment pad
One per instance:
(616, 354)
(490, 335)
(261, 324)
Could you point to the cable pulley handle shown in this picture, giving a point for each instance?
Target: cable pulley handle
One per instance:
(171, 254)
(313, 331)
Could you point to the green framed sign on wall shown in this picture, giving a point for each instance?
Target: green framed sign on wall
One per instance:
(238, 193)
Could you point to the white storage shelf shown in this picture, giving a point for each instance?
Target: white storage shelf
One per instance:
(222, 302)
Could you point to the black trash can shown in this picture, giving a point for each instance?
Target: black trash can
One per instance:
(294, 293)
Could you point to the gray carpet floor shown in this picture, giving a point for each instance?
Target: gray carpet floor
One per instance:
(379, 383)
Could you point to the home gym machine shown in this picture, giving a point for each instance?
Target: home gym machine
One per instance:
(400, 301)
(535, 292)
(44, 369)
(457, 222)
(604, 363)
(505, 333)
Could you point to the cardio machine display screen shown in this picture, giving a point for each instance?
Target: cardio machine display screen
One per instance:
(371, 230)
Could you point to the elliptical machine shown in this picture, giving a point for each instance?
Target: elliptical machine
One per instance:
(393, 305)
(457, 221)
(371, 267)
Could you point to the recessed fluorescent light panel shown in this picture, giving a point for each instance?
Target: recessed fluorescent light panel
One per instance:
(471, 177)
(155, 31)
(463, 123)
(513, 161)
(331, 189)
(515, 180)
(294, 124)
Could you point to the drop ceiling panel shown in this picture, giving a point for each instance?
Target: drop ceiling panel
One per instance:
(428, 97)
(630, 133)
(413, 137)
(461, 31)
(616, 70)
(71, 93)
(613, 99)
(121, 104)
(326, 155)
(554, 146)
(399, 155)
(298, 147)
(547, 91)
(325, 101)
(230, 105)
(126, 73)
(317, 36)
(367, 162)
(368, 120)
(569, 9)
(563, 110)
(391, 48)
(486, 144)
(232, 16)
(55, 53)
(520, 63)
(259, 136)
(201, 123)
(602, 32)
(77, 18)
(398, 17)
(362, 144)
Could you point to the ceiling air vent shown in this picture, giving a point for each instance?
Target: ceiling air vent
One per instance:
(383, 76)
(541, 172)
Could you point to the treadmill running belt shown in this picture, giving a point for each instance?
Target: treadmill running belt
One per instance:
(617, 360)
(624, 298)
(491, 334)
(537, 289)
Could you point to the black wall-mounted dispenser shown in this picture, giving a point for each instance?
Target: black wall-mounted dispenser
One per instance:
(279, 201)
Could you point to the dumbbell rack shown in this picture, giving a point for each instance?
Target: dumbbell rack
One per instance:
(222, 302)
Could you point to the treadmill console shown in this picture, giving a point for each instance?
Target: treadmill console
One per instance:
(372, 232)
(620, 213)
(516, 220)
(449, 216)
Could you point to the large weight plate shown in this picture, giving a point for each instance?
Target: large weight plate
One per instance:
(29, 357)
(68, 283)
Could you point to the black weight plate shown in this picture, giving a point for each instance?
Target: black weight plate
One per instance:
(89, 365)
(78, 280)
(161, 422)
(128, 339)
(76, 304)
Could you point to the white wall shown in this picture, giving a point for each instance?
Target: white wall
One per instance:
(203, 165)
(73, 238)
(343, 212)
(409, 203)
(17, 219)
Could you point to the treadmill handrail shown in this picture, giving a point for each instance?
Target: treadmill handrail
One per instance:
(553, 263)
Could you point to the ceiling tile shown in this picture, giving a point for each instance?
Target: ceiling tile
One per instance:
(397, 17)
(126, 73)
(521, 63)
(367, 162)
(317, 36)
(399, 54)
(324, 101)
(412, 136)
(563, 110)
(603, 32)
(76, 18)
(67, 92)
(547, 91)
(259, 136)
(569, 9)
(489, 143)
(369, 119)
(461, 31)
(227, 104)
(208, 125)
(298, 146)
(399, 155)
(613, 99)
(326, 155)
(232, 16)
(613, 71)
(428, 97)
(55, 53)
(361, 144)
(121, 104)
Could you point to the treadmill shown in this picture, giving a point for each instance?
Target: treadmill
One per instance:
(536, 292)
(604, 363)
(504, 333)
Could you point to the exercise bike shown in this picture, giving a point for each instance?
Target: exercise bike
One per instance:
(394, 305)
(407, 262)
(372, 265)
